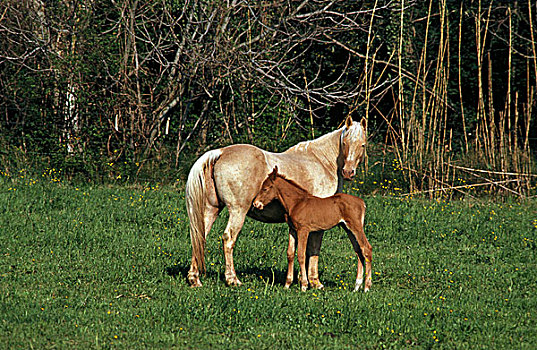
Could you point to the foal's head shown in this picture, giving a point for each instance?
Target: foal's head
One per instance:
(268, 191)
(353, 144)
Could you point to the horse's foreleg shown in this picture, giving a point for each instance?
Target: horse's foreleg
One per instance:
(234, 225)
(290, 257)
(211, 213)
(312, 258)
(302, 237)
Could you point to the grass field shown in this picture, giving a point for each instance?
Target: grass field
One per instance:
(105, 267)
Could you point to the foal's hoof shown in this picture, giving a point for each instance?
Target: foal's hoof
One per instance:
(358, 284)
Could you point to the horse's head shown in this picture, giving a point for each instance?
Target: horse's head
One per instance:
(267, 193)
(353, 142)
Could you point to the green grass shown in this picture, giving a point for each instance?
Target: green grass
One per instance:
(105, 268)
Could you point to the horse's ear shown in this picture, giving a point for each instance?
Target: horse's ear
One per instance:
(348, 121)
(364, 123)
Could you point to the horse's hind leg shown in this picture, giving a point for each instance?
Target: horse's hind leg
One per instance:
(211, 213)
(290, 257)
(234, 225)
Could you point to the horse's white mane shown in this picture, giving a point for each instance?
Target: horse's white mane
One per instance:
(304, 144)
(355, 131)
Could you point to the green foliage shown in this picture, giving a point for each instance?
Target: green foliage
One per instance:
(93, 267)
(123, 78)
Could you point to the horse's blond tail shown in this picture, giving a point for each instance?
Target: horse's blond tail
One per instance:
(195, 195)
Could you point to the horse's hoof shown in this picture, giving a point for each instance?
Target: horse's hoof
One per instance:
(318, 285)
(233, 282)
(194, 282)
(304, 288)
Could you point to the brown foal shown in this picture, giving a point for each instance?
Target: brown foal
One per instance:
(306, 213)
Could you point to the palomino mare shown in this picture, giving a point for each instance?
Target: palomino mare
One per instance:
(232, 176)
(305, 213)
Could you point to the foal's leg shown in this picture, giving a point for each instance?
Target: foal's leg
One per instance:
(361, 261)
(290, 257)
(234, 225)
(364, 252)
(367, 252)
(302, 237)
(312, 258)
(211, 213)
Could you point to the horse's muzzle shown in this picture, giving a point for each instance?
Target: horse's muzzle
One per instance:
(258, 205)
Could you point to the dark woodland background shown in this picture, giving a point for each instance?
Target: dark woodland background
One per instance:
(126, 90)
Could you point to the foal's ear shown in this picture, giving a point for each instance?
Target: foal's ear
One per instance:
(274, 173)
(348, 121)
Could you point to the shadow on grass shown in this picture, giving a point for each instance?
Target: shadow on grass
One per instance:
(176, 270)
(274, 276)
(278, 276)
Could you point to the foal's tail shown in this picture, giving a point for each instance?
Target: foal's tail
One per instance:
(196, 196)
